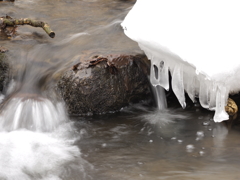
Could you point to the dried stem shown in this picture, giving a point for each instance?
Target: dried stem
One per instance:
(7, 21)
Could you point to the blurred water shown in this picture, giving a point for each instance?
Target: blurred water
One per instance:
(39, 141)
(143, 143)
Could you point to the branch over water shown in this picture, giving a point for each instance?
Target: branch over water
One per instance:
(8, 21)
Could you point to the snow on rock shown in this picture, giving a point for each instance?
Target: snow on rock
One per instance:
(197, 41)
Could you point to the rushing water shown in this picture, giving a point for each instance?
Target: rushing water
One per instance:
(39, 141)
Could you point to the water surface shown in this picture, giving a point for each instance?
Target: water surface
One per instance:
(152, 144)
(39, 141)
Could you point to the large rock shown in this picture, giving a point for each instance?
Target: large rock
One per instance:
(105, 84)
(4, 69)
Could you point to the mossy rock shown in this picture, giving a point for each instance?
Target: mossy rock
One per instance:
(4, 69)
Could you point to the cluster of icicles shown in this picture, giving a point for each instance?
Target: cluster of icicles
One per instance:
(185, 78)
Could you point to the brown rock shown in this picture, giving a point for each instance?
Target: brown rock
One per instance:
(105, 84)
(4, 69)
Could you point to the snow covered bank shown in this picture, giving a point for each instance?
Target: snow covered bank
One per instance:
(197, 41)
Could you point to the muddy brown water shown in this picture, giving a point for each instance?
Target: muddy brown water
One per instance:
(139, 142)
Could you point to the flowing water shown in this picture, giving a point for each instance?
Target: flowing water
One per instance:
(39, 141)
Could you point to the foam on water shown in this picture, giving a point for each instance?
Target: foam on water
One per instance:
(34, 155)
(37, 140)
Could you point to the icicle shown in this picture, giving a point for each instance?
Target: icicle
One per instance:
(177, 85)
(154, 76)
(212, 96)
(163, 75)
(190, 88)
(204, 93)
(221, 99)
(159, 73)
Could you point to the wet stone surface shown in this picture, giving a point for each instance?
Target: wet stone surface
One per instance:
(104, 84)
(4, 68)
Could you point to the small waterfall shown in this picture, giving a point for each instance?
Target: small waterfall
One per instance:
(160, 97)
(159, 81)
(36, 136)
(31, 112)
(36, 140)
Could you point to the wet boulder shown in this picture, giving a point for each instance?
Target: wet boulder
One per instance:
(4, 68)
(105, 84)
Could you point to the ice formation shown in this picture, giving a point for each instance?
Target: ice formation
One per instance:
(196, 41)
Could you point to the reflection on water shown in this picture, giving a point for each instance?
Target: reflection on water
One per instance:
(38, 141)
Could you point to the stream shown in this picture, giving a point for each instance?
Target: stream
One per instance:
(38, 139)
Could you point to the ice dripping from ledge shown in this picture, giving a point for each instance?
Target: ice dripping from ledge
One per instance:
(196, 41)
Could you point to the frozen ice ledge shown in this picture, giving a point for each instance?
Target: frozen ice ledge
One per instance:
(196, 41)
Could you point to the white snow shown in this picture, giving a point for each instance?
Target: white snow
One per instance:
(198, 41)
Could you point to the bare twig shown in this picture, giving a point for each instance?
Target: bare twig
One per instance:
(8, 21)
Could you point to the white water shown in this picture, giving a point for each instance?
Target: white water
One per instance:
(160, 97)
(36, 114)
(34, 155)
(197, 41)
(36, 140)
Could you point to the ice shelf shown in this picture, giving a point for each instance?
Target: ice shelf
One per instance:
(196, 41)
